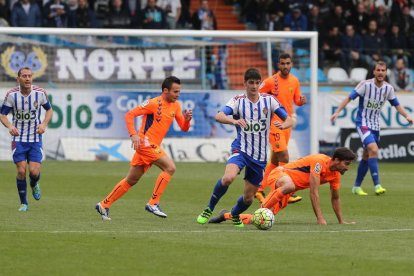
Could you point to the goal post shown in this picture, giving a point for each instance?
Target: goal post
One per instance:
(116, 67)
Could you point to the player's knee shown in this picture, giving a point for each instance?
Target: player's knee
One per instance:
(21, 173)
(248, 199)
(170, 169)
(34, 172)
(226, 180)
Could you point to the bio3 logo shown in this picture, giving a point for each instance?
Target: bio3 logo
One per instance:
(27, 115)
(255, 126)
(374, 105)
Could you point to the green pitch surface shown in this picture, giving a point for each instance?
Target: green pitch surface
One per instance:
(63, 235)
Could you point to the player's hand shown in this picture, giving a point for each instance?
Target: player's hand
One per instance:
(303, 100)
(240, 122)
(135, 141)
(188, 114)
(13, 131)
(410, 120)
(333, 118)
(321, 221)
(41, 129)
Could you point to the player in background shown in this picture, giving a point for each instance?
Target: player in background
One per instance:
(158, 115)
(26, 128)
(308, 172)
(372, 94)
(252, 115)
(286, 88)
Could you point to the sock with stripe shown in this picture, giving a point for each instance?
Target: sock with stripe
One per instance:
(373, 168)
(119, 190)
(160, 185)
(218, 192)
(22, 190)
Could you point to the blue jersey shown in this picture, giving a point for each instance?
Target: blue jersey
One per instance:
(253, 140)
(27, 111)
(371, 101)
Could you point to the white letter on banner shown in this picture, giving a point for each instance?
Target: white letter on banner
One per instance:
(157, 60)
(101, 64)
(410, 148)
(185, 63)
(66, 62)
(129, 62)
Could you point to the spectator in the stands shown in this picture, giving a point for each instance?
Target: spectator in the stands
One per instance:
(406, 21)
(204, 18)
(325, 7)
(82, 16)
(397, 43)
(172, 8)
(316, 22)
(337, 18)
(118, 16)
(26, 14)
(153, 17)
(4, 14)
(351, 44)
(55, 14)
(401, 77)
(382, 18)
(375, 46)
(331, 47)
(359, 19)
(387, 4)
(296, 20)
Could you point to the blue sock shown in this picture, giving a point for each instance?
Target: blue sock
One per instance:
(362, 171)
(34, 180)
(21, 189)
(373, 167)
(240, 207)
(218, 192)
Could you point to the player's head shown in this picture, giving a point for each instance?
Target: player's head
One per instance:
(171, 88)
(380, 71)
(252, 80)
(285, 64)
(24, 77)
(341, 159)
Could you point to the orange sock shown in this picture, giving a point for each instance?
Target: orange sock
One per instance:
(119, 190)
(245, 218)
(227, 216)
(272, 199)
(281, 204)
(160, 185)
(268, 169)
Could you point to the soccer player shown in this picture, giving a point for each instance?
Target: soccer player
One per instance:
(286, 88)
(372, 94)
(252, 115)
(25, 102)
(308, 172)
(158, 115)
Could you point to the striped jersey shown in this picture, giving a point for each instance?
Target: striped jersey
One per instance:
(26, 112)
(253, 140)
(371, 101)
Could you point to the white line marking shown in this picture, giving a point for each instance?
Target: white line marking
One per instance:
(202, 231)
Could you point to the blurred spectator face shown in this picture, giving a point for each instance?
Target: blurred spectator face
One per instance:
(315, 11)
(350, 30)
(395, 29)
(399, 64)
(204, 5)
(296, 13)
(406, 11)
(361, 8)
(82, 3)
(338, 10)
(372, 26)
(117, 3)
(334, 31)
(381, 10)
(151, 3)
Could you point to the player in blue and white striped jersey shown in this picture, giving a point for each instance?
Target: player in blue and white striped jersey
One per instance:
(251, 114)
(372, 94)
(25, 102)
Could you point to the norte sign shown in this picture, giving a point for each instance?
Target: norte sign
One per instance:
(103, 64)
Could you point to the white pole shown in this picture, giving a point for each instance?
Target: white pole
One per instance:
(314, 141)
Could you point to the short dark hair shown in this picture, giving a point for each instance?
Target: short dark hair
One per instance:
(168, 82)
(252, 74)
(284, 56)
(344, 154)
(21, 69)
(380, 63)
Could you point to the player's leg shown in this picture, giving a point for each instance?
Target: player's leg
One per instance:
(278, 198)
(35, 158)
(373, 168)
(167, 166)
(233, 168)
(20, 151)
(361, 172)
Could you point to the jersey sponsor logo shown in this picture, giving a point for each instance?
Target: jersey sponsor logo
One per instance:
(25, 115)
(13, 59)
(318, 168)
(374, 105)
(255, 126)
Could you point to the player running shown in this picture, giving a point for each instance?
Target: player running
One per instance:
(251, 114)
(308, 172)
(158, 115)
(26, 102)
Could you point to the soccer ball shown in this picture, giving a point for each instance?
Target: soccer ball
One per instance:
(263, 219)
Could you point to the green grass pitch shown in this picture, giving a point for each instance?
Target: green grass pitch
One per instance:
(63, 235)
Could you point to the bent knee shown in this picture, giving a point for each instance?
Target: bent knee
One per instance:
(227, 179)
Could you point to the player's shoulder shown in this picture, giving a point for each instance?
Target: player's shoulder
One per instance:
(39, 89)
(12, 91)
(239, 97)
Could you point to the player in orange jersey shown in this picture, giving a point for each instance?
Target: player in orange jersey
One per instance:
(308, 172)
(286, 88)
(158, 115)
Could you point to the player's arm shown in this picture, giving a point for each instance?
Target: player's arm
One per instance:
(336, 206)
(314, 183)
(339, 109)
(224, 118)
(404, 113)
(41, 128)
(144, 108)
(287, 120)
(298, 98)
(5, 109)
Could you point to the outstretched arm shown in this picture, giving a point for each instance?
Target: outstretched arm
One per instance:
(340, 107)
(314, 182)
(404, 113)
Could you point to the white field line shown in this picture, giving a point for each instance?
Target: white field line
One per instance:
(203, 231)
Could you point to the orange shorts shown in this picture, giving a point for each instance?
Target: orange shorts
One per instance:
(279, 139)
(145, 156)
(274, 176)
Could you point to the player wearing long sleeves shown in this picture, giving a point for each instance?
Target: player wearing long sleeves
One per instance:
(158, 115)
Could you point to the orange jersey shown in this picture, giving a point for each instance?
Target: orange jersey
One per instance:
(286, 91)
(315, 164)
(158, 117)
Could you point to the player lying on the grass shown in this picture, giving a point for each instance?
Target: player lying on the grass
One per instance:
(308, 172)
(158, 115)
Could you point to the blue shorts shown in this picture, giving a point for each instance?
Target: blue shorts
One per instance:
(254, 168)
(27, 151)
(368, 135)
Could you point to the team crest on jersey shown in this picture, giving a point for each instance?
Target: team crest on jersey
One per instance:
(12, 60)
(290, 90)
(265, 111)
(144, 103)
(318, 168)
(36, 104)
(172, 114)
